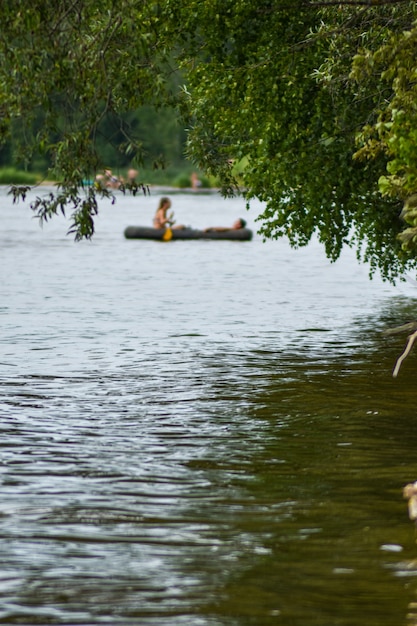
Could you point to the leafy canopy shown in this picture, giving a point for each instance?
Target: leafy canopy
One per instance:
(281, 88)
(316, 98)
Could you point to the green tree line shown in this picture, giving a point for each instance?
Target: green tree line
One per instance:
(163, 140)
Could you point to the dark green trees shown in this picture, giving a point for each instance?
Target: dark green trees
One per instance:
(68, 68)
(281, 87)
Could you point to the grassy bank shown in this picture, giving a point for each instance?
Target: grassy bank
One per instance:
(13, 176)
(171, 177)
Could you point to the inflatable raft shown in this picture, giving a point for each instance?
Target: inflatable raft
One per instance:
(144, 232)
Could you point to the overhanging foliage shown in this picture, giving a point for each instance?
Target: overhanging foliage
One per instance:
(318, 99)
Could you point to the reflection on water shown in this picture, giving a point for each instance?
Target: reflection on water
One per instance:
(200, 434)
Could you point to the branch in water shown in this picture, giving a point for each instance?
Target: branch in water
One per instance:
(410, 343)
(404, 328)
(410, 494)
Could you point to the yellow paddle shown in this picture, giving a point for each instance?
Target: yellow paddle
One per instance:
(167, 236)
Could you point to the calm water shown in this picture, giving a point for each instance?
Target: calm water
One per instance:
(200, 433)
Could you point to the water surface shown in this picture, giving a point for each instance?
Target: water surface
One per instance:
(200, 432)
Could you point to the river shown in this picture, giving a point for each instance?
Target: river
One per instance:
(200, 433)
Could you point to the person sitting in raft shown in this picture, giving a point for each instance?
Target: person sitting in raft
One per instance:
(240, 223)
(161, 219)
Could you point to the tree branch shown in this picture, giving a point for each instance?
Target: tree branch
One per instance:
(404, 328)
(410, 343)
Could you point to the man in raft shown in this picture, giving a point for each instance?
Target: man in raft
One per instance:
(238, 225)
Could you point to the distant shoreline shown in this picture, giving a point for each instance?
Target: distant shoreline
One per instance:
(153, 188)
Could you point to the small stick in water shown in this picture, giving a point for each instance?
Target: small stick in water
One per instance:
(410, 494)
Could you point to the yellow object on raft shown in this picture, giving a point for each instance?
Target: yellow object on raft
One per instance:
(167, 236)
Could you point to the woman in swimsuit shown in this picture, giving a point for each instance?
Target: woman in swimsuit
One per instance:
(161, 219)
